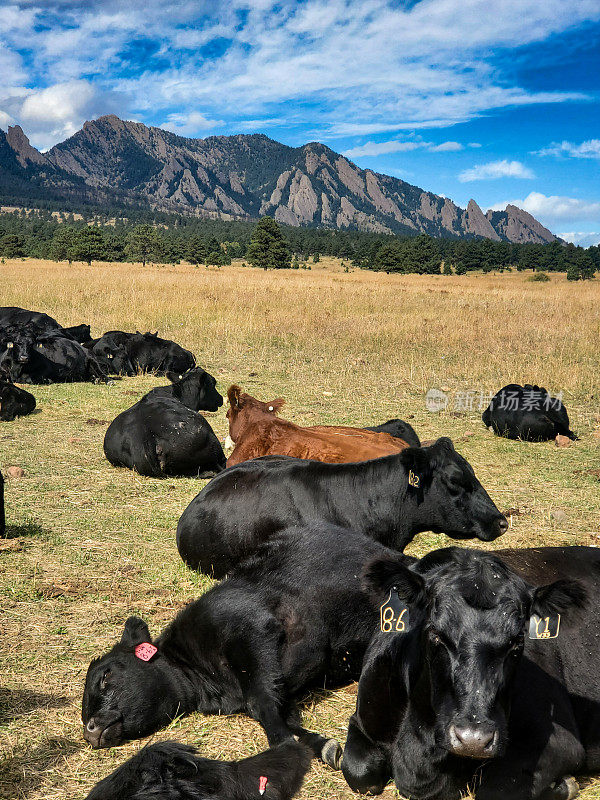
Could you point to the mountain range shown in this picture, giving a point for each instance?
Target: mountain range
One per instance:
(238, 177)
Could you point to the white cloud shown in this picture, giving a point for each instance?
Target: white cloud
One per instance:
(378, 148)
(554, 209)
(56, 112)
(584, 239)
(588, 149)
(380, 62)
(446, 147)
(187, 124)
(399, 146)
(496, 169)
(5, 120)
(474, 144)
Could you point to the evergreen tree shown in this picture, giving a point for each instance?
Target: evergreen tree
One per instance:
(143, 244)
(268, 247)
(12, 246)
(62, 244)
(88, 245)
(390, 258)
(197, 250)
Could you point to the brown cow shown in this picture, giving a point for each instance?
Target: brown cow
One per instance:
(257, 431)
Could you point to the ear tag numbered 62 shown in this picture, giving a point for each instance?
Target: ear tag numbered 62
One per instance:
(393, 614)
(544, 627)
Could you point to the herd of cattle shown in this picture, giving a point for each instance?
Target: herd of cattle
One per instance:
(475, 669)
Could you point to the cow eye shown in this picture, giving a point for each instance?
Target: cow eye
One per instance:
(104, 679)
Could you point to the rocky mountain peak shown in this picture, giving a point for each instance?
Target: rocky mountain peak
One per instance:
(23, 149)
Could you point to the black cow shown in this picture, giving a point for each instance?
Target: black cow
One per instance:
(130, 353)
(282, 622)
(399, 429)
(468, 687)
(162, 435)
(15, 317)
(112, 353)
(391, 499)
(2, 519)
(14, 402)
(173, 771)
(30, 356)
(527, 412)
(80, 333)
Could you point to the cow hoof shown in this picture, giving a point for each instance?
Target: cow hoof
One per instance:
(332, 753)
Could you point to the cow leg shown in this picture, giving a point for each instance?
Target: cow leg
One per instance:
(365, 766)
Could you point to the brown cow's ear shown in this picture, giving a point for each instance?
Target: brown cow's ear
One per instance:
(276, 405)
(233, 395)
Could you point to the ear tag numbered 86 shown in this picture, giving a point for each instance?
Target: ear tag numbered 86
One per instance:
(393, 614)
(544, 627)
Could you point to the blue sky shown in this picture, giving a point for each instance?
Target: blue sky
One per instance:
(498, 100)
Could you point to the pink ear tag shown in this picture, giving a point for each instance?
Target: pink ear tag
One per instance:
(262, 784)
(145, 651)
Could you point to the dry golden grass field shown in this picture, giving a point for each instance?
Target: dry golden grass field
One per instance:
(90, 544)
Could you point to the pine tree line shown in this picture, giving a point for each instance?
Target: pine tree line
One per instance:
(163, 238)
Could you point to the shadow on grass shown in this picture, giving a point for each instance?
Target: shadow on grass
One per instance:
(20, 774)
(27, 529)
(16, 702)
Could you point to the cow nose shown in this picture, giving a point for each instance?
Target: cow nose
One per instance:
(473, 742)
(92, 732)
(502, 525)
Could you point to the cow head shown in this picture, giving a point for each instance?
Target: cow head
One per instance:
(112, 357)
(16, 348)
(196, 389)
(240, 401)
(449, 498)
(470, 614)
(128, 696)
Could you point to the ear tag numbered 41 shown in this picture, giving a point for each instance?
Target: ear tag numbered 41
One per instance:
(544, 627)
(393, 614)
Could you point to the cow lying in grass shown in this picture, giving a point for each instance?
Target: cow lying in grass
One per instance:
(129, 353)
(527, 412)
(173, 771)
(30, 356)
(400, 429)
(484, 673)
(390, 499)
(14, 402)
(281, 623)
(163, 435)
(257, 431)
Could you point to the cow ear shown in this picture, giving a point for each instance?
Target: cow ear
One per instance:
(173, 376)
(136, 631)
(276, 405)
(233, 395)
(418, 462)
(381, 574)
(558, 597)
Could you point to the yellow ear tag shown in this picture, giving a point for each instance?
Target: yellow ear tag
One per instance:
(544, 627)
(393, 614)
(413, 479)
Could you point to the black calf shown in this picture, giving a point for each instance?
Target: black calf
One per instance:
(390, 499)
(479, 677)
(162, 434)
(399, 429)
(14, 402)
(281, 623)
(527, 412)
(173, 771)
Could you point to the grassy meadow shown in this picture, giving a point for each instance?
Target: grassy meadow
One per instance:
(89, 544)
